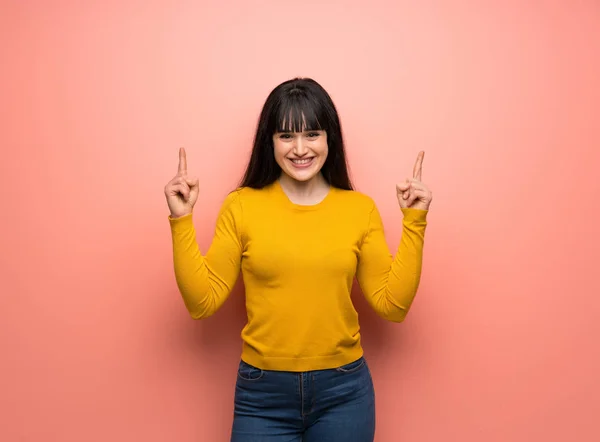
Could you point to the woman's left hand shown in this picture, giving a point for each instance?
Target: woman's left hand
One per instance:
(412, 193)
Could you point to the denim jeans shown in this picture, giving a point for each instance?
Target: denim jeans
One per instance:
(331, 405)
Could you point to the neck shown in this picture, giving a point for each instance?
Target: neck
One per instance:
(302, 192)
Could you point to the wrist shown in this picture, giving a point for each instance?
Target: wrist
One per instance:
(179, 215)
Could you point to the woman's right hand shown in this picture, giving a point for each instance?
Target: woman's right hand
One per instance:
(181, 191)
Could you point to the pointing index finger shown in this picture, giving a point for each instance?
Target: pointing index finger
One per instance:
(182, 170)
(418, 166)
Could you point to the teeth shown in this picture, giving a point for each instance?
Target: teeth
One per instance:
(302, 161)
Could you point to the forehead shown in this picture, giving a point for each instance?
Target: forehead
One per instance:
(297, 117)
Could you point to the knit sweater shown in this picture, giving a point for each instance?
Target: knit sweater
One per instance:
(298, 264)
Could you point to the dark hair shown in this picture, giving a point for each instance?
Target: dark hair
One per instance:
(298, 104)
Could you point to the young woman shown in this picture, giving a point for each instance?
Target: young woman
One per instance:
(300, 234)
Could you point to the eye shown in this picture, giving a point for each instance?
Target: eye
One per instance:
(285, 136)
(313, 134)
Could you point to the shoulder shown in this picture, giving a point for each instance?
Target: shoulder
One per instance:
(231, 203)
(356, 200)
(248, 197)
(247, 194)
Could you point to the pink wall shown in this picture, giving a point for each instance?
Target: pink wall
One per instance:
(502, 343)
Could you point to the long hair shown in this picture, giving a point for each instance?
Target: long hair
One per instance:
(296, 105)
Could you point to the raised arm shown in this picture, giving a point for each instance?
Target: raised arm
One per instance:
(389, 283)
(204, 281)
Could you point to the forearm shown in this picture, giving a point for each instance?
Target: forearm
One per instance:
(390, 283)
(405, 271)
(191, 270)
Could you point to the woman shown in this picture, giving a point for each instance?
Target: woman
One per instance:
(299, 234)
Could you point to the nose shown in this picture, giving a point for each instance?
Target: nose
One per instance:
(300, 149)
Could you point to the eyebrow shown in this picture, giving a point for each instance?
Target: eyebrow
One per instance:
(307, 130)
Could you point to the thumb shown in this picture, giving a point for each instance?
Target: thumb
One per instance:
(192, 182)
(403, 186)
(194, 189)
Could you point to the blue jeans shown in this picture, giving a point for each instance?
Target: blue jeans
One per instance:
(315, 406)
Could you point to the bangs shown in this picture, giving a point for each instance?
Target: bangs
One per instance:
(298, 113)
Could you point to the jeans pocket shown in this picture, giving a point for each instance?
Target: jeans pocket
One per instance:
(352, 366)
(249, 372)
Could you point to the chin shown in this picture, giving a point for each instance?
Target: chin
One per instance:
(303, 178)
(302, 175)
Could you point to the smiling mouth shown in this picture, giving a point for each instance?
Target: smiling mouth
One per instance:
(302, 162)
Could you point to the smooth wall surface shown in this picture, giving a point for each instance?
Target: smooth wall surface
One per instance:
(97, 96)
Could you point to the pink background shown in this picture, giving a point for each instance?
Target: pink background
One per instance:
(96, 98)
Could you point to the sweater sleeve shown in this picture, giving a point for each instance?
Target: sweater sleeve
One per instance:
(390, 283)
(205, 281)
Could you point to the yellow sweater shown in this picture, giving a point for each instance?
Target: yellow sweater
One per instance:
(298, 265)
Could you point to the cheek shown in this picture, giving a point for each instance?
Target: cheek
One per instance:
(279, 151)
(322, 147)
(323, 150)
